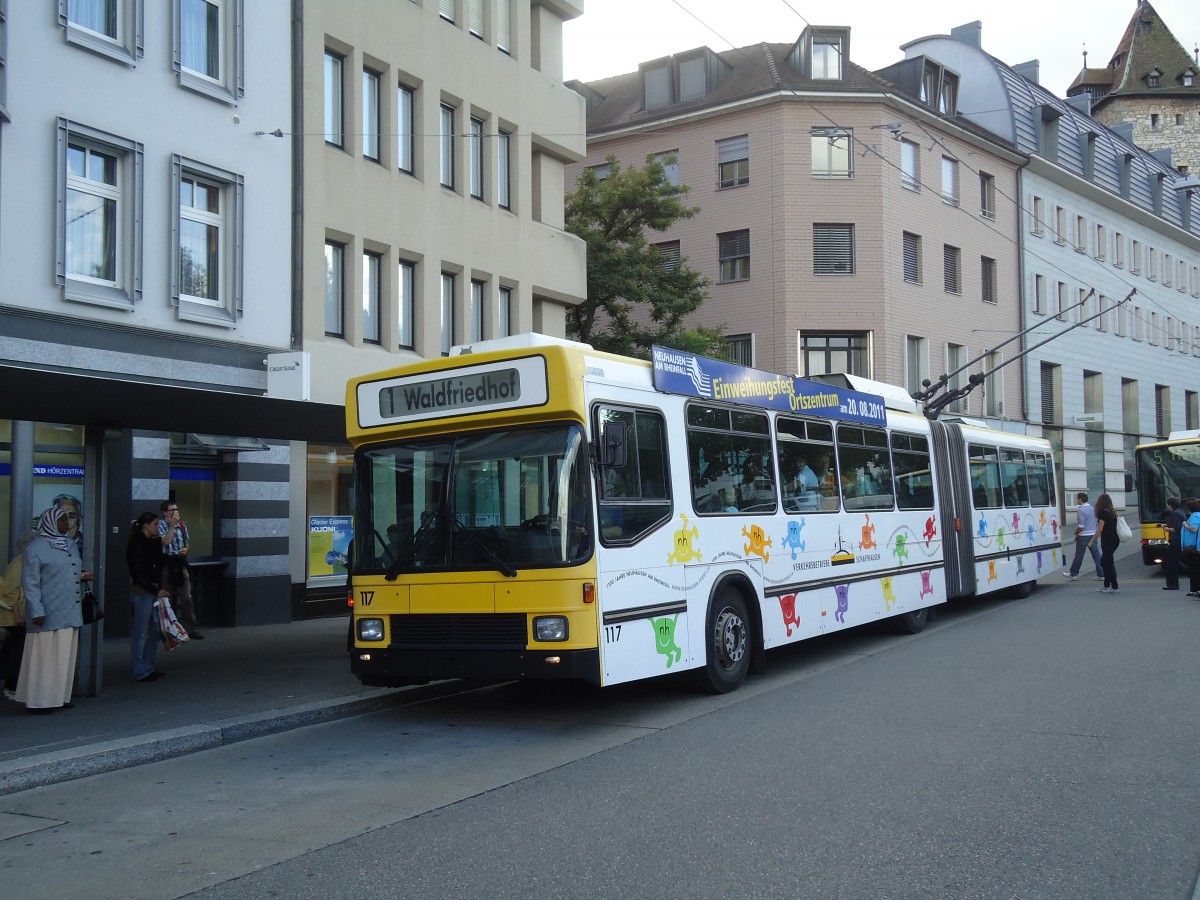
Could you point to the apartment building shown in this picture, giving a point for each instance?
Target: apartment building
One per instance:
(848, 222)
(1102, 220)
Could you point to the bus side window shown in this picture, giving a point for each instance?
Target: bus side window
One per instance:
(1012, 471)
(1039, 475)
(805, 451)
(866, 467)
(636, 497)
(985, 476)
(914, 480)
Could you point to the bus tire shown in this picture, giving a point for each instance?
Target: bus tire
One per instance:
(1022, 590)
(728, 642)
(911, 622)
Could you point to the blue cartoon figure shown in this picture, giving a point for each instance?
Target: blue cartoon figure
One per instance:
(900, 550)
(982, 526)
(664, 638)
(843, 602)
(792, 539)
(1029, 533)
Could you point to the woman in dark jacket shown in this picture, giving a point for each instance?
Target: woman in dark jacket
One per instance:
(144, 556)
(1106, 534)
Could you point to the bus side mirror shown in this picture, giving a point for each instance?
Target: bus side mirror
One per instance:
(614, 441)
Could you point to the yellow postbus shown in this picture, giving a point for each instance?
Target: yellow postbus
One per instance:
(532, 508)
(1163, 469)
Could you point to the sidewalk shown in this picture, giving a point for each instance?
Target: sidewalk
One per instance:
(236, 684)
(242, 683)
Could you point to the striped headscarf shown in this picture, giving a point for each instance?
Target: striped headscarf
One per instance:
(48, 527)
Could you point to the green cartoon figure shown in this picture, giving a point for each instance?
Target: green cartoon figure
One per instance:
(664, 638)
(683, 543)
(900, 551)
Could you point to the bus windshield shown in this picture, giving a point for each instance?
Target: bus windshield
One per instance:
(498, 500)
(1166, 470)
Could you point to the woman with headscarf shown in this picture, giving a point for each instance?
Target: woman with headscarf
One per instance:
(52, 578)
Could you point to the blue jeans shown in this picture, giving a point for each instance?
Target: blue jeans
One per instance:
(144, 636)
(1081, 541)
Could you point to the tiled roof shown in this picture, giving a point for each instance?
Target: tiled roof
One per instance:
(1146, 44)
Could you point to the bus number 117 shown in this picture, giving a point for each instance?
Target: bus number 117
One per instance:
(612, 634)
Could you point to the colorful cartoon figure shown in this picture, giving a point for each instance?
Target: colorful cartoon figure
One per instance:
(889, 595)
(926, 586)
(1029, 533)
(900, 551)
(1016, 522)
(793, 537)
(1054, 528)
(664, 638)
(843, 600)
(1000, 537)
(992, 576)
(1020, 565)
(1039, 562)
(930, 530)
(1042, 520)
(684, 551)
(982, 532)
(788, 606)
(758, 542)
(1054, 557)
(868, 535)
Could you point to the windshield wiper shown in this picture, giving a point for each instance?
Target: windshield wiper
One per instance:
(408, 551)
(501, 566)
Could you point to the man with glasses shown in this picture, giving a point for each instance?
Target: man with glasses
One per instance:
(175, 578)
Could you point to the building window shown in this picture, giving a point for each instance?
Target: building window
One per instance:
(826, 58)
(476, 311)
(1191, 410)
(669, 255)
(950, 180)
(447, 313)
(831, 354)
(1118, 250)
(956, 360)
(1039, 216)
(1101, 243)
(1060, 309)
(1051, 384)
(987, 195)
(993, 385)
(741, 349)
(503, 170)
(951, 260)
(733, 161)
(446, 146)
(370, 298)
(1081, 234)
(1168, 269)
(916, 351)
(92, 222)
(475, 146)
(404, 129)
(370, 114)
(831, 156)
(209, 52)
(112, 28)
(207, 240)
(405, 277)
(1151, 263)
(1039, 294)
(446, 10)
(503, 26)
(1060, 225)
(693, 78)
(1162, 410)
(335, 289)
(910, 173)
(475, 18)
(504, 316)
(335, 124)
(987, 279)
(833, 249)
(912, 258)
(656, 83)
(733, 251)
(1182, 285)
(670, 163)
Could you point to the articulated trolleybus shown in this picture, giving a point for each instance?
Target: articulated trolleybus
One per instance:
(533, 508)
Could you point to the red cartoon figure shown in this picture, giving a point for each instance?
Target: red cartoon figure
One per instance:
(930, 530)
(788, 606)
(868, 535)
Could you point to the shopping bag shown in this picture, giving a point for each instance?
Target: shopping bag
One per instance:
(173, 633)
(1124, 532)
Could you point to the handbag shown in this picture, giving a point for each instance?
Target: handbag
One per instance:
(172, 631)
(1124, 532)
(93, 612)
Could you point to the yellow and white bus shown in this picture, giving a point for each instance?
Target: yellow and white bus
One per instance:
(1163, 469)
(533, 508)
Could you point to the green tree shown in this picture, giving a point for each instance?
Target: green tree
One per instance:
(634, 298)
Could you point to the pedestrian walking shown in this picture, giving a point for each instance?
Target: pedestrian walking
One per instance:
(1106, 534)
(1085, 530)
(175, 578)
(1173, 525)
(144, 557)
(52, 578)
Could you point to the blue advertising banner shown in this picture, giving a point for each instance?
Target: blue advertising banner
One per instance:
(676, 372)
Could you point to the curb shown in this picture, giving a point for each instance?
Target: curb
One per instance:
(121, 753)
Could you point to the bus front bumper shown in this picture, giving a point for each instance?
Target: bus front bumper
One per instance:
(390, 667)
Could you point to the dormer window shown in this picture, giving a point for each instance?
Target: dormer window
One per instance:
(826, 57)
(675, 79)
(692, 81)
(948, 93)
(1154, 78)
(1188, 77)
(656, 80)
(939, 88)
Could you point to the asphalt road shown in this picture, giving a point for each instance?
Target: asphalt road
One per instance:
(1044, 748)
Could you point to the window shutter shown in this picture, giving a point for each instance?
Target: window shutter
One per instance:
(733, 149)
(833, 249)
(912, 261)
(1047, 394)
(503, 34)
(950, 267)
(446, 9)
(670, 256)
(735, 244)
(474, 17)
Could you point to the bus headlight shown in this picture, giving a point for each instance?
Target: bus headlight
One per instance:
(370, 629)
(550, 628)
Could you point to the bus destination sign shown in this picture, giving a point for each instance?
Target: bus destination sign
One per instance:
(677, 372)
(455, 392)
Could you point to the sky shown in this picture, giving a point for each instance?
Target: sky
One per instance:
(613, 36)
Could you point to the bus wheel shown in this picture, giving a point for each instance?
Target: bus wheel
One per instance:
(1022, 590)
(729, 643)
(911, 622)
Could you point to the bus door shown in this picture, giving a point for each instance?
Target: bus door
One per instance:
(954, 506)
